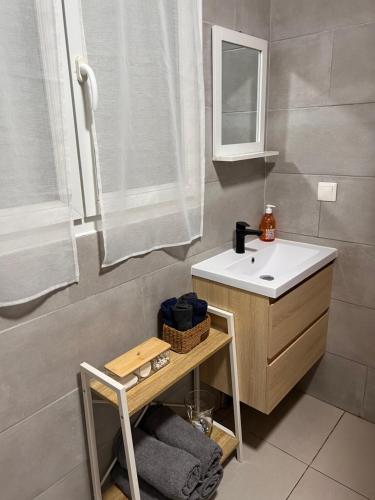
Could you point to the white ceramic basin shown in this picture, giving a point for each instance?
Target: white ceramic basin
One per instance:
(266, 268)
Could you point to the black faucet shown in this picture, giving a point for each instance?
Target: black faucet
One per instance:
(242, 229)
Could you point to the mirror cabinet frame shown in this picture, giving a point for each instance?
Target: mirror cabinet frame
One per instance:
(220, 35)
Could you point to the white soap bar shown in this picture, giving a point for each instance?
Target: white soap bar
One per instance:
(144, 371)
(129, 381)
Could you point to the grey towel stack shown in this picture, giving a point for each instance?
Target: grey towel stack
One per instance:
(174, 460)
(121, 479)
(164, 424)
(172, 471)
(207, 486)
(173, 430)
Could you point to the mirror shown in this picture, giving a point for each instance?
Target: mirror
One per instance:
(239, 100)
(239, 91)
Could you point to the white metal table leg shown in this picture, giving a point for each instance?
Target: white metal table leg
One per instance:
(87, 372)
(235, 388)
(90, 429)
(197, 383)
(234, 375)
(128, 444)
(197, 388)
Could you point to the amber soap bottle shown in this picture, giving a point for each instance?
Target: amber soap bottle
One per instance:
(268, 225)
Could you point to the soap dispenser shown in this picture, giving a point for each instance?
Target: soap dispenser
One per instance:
(268, 225)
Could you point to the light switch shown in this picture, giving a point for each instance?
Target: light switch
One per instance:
(327, 191)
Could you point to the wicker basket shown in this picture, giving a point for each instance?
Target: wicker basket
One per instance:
(183, 342)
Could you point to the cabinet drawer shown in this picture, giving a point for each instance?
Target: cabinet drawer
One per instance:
(298, 309)
(288, 368)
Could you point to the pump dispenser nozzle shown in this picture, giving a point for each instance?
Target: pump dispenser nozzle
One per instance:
(269, 208)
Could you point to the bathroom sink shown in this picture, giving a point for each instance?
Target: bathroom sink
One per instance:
(266, 268)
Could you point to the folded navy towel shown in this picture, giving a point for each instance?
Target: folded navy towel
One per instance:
(166, 311)
(173, 430)
(189, 296)
(182, 315)
(121, 479)
(199, 306)
(172, 471)
(207, 487)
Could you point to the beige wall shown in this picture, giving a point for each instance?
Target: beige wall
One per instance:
(322, 119)
(43, 453)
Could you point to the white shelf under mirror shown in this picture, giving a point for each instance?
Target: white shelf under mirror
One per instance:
(246, 156)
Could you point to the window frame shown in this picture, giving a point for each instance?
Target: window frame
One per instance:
(85, 192)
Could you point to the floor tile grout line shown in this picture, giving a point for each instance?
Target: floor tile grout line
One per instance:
(280, 449)
(338, 482)
(297, 483)
(335, 406)
(329, 435)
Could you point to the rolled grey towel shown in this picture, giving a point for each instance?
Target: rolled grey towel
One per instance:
(207, 487)
(172, 471)
(173, 430)
(121, 479)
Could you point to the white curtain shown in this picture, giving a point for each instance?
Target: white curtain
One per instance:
(37, 250)
(149, 125)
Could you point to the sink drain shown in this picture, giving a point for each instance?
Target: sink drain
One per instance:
(266, 277)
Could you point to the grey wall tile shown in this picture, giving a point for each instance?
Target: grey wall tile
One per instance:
(107, 423)
(11, 316)
(300, 70)
(330, 135)
(253, 17)
(299, 17)
(295, 198)
(42, 449)
(352, 280)
(45, 353)
(368, 410)
(238, 195)
(74, 486)
(338, 381)
(353, 69)
(351, 332)
(334, 140)
(169, 282)
(93, 279)
(219, 12)
(351, 217)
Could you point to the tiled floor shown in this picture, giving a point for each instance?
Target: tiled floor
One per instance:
(305, 450)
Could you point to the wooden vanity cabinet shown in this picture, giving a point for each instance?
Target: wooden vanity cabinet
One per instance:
(278, 340)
